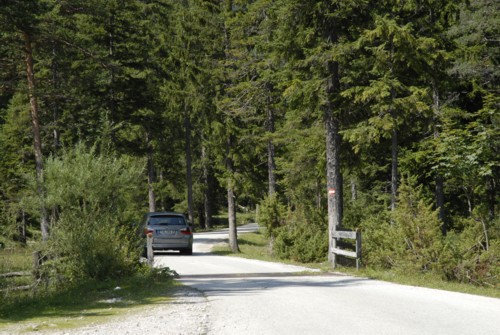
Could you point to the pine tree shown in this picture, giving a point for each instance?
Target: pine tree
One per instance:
(395, 49)
(319, 32)
(22, 19)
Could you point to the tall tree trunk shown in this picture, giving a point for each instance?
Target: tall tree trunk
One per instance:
(112, 93)
(333, 173)
(151, 175)
(55, 107)
(492, 196)
(439, 177)
(394, 137)
(22, 228)
(271, 165)
(231, 201)
(333, 178)
(440, 201)
(201, 216)
(189, 176)
(394, 168)
(207, 195)
(44, 223)
(231, 215)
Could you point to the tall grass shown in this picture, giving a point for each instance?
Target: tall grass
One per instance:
(15, 259)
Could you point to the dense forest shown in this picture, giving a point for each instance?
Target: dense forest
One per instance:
(373, 115)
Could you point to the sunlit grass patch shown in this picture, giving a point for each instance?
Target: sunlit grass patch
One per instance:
(87, 303)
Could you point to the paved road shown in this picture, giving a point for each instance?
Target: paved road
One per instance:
(255, 297)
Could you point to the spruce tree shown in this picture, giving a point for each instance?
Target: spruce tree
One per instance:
(21, 18)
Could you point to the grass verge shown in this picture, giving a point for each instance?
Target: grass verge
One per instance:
(256, 246)
(87, 303)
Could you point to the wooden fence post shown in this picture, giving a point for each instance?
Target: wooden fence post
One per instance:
(37, 255)
(150, 252)
(358, 249)
(352, 235)
(334, 247)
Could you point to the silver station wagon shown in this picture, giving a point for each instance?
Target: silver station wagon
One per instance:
(171, 231)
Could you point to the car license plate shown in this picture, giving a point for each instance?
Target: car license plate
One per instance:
(165, 232)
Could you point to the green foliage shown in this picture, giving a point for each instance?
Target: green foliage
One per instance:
(304, 238)
(382, 242)
(477, 50)
(474, 253)
(271, 214)
(97, 197)
(409, 239)
(144, 77)
(16, 148)
(418, 226)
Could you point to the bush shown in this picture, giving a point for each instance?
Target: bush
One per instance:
(420, 230)
(408, 239)
(473, 258)
(303, 238)
(96, 198)
(271, 215)
(382, 242)
(97, 248)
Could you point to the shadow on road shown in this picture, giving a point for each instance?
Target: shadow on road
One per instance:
(237, 284)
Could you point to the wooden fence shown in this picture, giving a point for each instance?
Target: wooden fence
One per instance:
(346, 234)
(35, 273)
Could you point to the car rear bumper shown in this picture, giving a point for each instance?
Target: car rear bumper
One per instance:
(181, 244)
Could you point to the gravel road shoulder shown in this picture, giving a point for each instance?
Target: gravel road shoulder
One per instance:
(185, 314)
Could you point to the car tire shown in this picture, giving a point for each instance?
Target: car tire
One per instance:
(187, 251)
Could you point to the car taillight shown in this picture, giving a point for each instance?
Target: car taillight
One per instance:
(186, 231)
(148, 231)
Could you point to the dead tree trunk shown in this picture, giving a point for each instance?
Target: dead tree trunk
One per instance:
(35, 119)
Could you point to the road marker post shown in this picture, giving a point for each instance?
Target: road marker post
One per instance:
(150, 252)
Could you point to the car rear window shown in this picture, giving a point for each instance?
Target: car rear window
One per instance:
(166, 220)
